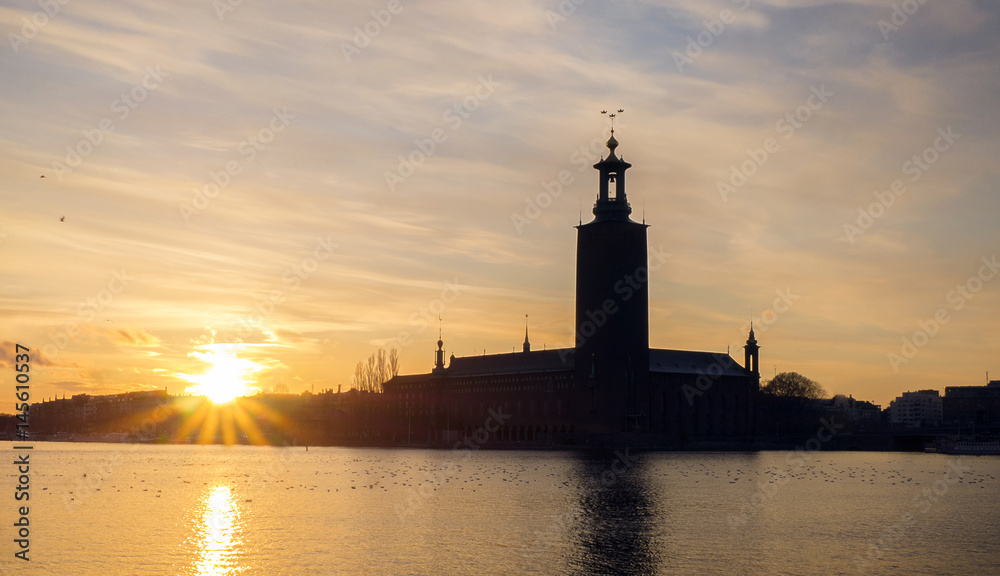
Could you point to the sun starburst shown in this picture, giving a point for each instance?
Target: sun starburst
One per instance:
(229, 376)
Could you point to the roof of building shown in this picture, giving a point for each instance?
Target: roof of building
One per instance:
(514, 363)
(690, 362)
(562, 359)
(991, 390)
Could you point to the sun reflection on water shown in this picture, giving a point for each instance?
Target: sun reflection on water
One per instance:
(220, 534)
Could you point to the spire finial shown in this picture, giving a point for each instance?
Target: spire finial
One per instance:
(612, 115)
(612, 143)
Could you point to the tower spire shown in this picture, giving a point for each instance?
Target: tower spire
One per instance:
(527, 345)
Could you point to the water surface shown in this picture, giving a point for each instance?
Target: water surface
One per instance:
(213, 510)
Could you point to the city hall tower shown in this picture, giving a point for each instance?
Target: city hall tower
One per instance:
(612, 304)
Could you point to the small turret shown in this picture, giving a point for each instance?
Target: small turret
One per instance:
(752, 354)
(439, 354)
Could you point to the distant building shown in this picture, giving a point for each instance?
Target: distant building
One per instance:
(914, 409)
(610, 382)
(84, 413)
(853, 411)
(970, 406)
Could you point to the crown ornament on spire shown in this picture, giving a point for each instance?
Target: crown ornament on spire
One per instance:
(612, 142)
(612, 115)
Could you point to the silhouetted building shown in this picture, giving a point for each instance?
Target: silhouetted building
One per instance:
(609, 382)
(852, 410)
(852, 414)
(972, 406)
(104, 414)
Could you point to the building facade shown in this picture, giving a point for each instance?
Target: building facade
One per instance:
(915, 409)
(972, 406)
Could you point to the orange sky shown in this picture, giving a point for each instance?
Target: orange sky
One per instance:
(276, 185)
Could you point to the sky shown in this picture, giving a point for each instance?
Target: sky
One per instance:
(275, 190)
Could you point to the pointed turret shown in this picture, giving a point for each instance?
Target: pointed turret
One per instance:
(752, 354)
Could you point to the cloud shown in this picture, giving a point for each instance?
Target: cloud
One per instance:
(324, 176)
(132, 337)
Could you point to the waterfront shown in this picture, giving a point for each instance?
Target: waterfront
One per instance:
(201, 510)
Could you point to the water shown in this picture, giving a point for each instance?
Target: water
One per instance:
(214, 510)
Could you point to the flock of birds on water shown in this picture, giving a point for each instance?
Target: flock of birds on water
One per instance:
(339, 472)
(217, 492)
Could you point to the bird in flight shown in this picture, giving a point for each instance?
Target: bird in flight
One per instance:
(42, 176)
(62, 218)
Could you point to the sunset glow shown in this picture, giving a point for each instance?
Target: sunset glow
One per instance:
(228, 378)
(277, 176)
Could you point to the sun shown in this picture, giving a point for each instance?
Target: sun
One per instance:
(228, 378)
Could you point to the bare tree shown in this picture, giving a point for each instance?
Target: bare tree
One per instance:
(359, 377)
(393, 363)
(380, 368)
(371, 374)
